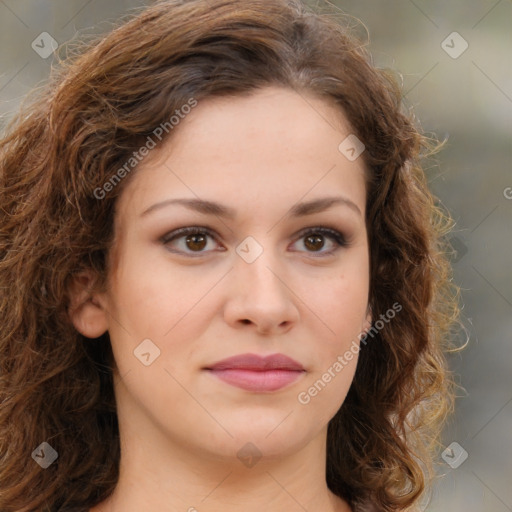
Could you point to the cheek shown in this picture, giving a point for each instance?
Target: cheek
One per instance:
(340, 307)
(324, 393)
(341, 310)
(168, 308)
(152, 300)
(340, 304)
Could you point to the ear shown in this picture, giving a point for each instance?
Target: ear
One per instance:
(87, 309)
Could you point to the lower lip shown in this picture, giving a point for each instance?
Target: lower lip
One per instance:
(270, 380)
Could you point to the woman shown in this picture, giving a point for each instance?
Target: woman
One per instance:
(224, 281)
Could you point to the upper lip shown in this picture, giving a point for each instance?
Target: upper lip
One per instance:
(255, 362)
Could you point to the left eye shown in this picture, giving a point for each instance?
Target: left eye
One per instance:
(314, 239)
(195, 240)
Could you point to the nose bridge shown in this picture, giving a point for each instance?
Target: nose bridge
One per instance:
(259, 293)
(259, 269)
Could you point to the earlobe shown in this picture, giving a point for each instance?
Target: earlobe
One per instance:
(87, 309)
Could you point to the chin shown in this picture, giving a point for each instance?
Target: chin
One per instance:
(268, 437)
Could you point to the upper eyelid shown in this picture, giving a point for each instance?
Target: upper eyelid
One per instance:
(325, 230)
(212, 232)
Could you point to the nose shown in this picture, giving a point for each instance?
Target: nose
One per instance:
(261, 296)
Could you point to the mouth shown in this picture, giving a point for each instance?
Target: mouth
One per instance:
(255, 373)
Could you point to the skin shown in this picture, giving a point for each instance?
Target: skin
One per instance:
(181, 427)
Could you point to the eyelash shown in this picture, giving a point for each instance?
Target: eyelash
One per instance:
(333, 234)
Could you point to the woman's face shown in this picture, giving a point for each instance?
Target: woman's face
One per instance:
(259, 179)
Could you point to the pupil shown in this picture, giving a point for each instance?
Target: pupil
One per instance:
(196, 242)
(311, 240)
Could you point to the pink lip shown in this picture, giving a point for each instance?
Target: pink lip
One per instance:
(256, 373)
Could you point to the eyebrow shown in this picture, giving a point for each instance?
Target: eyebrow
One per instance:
(219, 210)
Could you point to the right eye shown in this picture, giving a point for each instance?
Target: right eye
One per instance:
(189, 240)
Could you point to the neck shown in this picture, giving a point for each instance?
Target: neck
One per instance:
(177, 478)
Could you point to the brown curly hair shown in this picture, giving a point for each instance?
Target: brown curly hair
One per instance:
(101, 103)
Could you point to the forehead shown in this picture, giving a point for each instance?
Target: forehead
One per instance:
(272, 147)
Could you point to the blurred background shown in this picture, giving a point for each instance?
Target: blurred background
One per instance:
(454, 59)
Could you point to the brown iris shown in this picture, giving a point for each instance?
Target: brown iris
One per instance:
(196, 242)
(314, 242)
